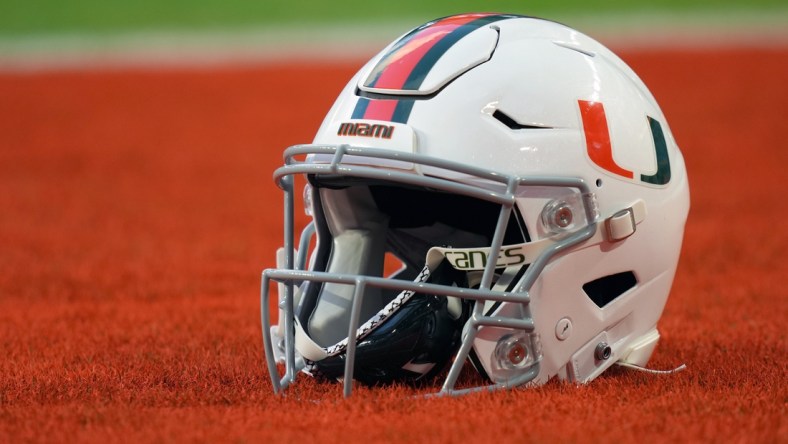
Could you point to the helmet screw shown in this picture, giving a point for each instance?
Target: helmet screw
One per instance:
(562, 216)
(517, 353)
(603, 351)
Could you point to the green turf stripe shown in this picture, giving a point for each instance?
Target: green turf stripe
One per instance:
(354, 41)
(24, 17)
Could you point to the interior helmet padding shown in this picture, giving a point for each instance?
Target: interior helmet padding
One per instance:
(358, 231)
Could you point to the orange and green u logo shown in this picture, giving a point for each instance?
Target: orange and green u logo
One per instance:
(601, 152)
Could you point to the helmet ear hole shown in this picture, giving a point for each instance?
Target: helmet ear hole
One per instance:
(606, 289)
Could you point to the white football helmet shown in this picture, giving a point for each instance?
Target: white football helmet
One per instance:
(529, 185)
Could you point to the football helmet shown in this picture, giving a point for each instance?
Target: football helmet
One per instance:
(524, 184)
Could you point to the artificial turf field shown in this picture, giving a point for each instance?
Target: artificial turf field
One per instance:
(137, 210)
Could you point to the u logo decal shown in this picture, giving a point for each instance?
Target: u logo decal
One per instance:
(600, 149)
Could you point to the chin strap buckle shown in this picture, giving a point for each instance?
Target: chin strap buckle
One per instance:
(623, 224)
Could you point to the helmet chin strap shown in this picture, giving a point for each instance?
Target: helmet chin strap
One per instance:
(312, 351)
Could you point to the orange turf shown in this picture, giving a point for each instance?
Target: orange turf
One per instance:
(137, 209)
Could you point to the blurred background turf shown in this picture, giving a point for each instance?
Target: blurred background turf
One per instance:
(107, 17)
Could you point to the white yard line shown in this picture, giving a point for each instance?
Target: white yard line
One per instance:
(357, 42)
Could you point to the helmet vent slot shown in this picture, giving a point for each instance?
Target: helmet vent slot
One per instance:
(576, 48)
(513, 124)
(606, 289)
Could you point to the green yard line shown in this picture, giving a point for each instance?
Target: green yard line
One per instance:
(106, 17)
(354, 38)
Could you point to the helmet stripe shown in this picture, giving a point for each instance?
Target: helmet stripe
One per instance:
(383, 109)
(409, 61)
(395, 67)
(426, 63)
